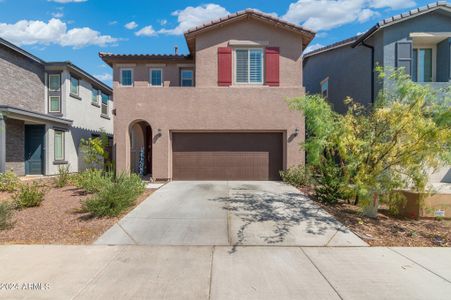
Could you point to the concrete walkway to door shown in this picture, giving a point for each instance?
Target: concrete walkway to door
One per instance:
(229, 213)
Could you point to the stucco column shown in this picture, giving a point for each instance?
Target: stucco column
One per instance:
(2, 143)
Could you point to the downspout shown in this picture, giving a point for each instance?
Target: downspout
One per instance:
(372, 70)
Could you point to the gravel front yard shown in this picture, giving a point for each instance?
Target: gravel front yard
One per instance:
(58, 220)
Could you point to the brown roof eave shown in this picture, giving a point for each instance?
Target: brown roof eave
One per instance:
(110, 59)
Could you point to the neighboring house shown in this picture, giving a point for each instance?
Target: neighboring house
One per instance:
(45, 109)
(220, 112)
(418, 40)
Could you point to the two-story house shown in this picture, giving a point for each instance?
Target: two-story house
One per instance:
(46, 108)
(418, 40)
(218, 113)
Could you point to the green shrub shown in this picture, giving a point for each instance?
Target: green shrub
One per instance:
(6, 214)
(330, 183)
(115, 197)
(9, 182)
(63, 177)
(296, 176)
(92, 180)
(29, 195)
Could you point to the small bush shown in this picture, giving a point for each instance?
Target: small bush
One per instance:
(115, 197)
(29, 195)
(9, 182)
(6, 214)
(296, 176)
(63, 177)
(330, 183)
(92, 180)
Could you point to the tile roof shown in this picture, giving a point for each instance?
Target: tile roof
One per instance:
(110, 57)
(382, 24)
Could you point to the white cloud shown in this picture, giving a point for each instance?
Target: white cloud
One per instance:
(163, 22)
(104, 77)
(312, 48)
(131, 25)
(112, 23)
(146, 31)
(328, 14)
(393, 4)
(367, 14)
(31, 32)
(58, 15)
(67, 1)
(194, 16)
(324, 14)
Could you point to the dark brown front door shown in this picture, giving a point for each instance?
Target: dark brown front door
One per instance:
(227, 156)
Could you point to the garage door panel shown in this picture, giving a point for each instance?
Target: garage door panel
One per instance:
(227, 156)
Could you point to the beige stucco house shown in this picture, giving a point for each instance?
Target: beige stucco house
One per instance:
(219, 113)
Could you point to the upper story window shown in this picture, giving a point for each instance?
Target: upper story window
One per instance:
(126, 77)
(105, 99)
(186, 77)
(325, 88)
(249, 66)
(54, 82)
(422, 65)
(95, 96)
(74, 86)
(156, 77)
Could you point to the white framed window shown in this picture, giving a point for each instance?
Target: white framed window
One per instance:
(105, 100)
(186, 77)
(54, 104)
(95, 96)
(325, 88)
(422, 70)
(126, 77)
(156, 77)
(54, 82)
(58, 145)
(248, 66)
(74, 85)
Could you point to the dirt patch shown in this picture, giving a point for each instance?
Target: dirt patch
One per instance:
(58, 220)
(388, 230)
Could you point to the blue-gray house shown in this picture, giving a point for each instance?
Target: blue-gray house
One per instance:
(418, 40)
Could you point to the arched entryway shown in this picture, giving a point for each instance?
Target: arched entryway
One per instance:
(141, 148)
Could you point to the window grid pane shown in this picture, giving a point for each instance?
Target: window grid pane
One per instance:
(105, 99)
(59, 145)
(126, 77)
(54, 104)
(242, 66)
(54, 82)
(156, 79)
(94, 95)
(74, 86)
(187, 77)
(255, 67)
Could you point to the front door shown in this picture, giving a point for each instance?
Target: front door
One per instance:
(34, 149)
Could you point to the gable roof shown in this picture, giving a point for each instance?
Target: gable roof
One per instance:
(66, 64)
(190, 34)
(403, 17)
(356, 40)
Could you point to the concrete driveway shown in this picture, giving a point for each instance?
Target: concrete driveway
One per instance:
(229, 213)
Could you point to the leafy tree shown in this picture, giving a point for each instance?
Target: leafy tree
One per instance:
(382, 149)
(95, 150)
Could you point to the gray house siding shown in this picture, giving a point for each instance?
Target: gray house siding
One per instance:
(436, 21)
(349, 72)
(15, 138)
(22, 82)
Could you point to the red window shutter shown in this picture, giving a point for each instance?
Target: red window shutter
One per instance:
(272, 66)
(224, 66)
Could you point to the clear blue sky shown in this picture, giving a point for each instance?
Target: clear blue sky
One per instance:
(76, 30)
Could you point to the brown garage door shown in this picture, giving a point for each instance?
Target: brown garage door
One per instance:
(227, 156)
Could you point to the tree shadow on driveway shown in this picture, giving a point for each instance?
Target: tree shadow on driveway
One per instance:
(283, 210)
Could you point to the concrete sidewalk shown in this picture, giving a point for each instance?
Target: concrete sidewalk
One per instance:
(216, 272)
